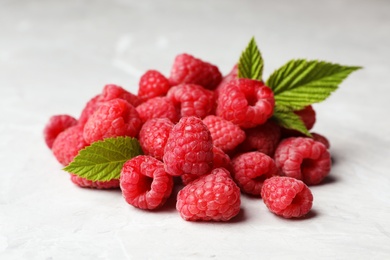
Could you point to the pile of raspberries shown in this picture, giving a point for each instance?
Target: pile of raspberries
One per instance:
(215, 134)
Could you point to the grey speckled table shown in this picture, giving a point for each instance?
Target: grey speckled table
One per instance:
(55, 55)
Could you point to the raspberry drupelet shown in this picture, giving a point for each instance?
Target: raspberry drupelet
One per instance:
(287, 197)
(304, 159)
(144, 182)
(212, 197)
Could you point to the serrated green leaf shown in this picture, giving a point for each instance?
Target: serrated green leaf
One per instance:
(286, 118)
(103, 160)
(300, 83)
(251, 63)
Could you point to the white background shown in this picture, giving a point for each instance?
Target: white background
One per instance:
(55, 55)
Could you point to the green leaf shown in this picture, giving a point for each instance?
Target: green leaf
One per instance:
(103, 160)
(251, 63)
(300, 83)
(286, 118)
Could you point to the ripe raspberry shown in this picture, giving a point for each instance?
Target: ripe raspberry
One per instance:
(152, 84)
(189, 148)
(144, 182)
(221, 160)
(250, 170)
(308, 116)
(188, 69)
(287, 197)
(55, 126)
(322, 139)
(211, 197)
(245, 102)
(153, 136)
(113, 118)
(91, 106)
(112, 91)
(157, 107)
(68, 144)
(304, 159)
(263, 138)
(192, 100)
(233, 74)
(225, 134)
(100, 185)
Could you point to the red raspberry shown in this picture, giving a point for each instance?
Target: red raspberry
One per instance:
(250, 170)
(263, 138)
(221, 160)
(192, 100)
(188, 69)
(308, 116)
(287, 197)
(91, 106)
(225, 134)
(153, 136)
(68, 144)
(320, 138)
(152, 84)
(144, 182)
(100, 185)
(158, 107)
(233, 74)
(112, 91)
(245, 102)
(304, 159)
(189, 148)
(211, 197)
(113, 118)
(55, 126)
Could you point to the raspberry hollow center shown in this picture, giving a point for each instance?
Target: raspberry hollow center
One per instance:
(145, 184)
(308, 165)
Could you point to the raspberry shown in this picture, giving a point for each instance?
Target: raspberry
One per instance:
(287, 197)
(158, 107)
(113, 118)
(263, 138)
(153, 136)
(68, 144)
(55, 126)
(250, 170)
(91, 106)
(211, 197)
(112, 91)
(100, 185)
(322, 139)
(188, 69)
(225, 134)
(189, 148)
(192, 100)
(308, 116)
(221, 160)
(304, 159)
(152, 84)
(233, 74)
(144, 182)
(245, 102)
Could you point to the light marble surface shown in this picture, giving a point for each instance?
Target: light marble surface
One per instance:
(55, 55)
